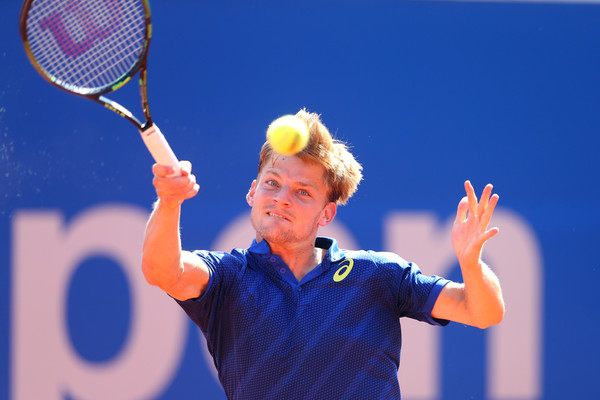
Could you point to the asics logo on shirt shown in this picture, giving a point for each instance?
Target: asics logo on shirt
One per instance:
(344, 270)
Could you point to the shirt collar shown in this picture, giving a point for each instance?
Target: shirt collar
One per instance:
(333, 254)
(261, 247)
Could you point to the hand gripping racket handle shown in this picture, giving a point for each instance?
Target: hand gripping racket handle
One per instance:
(159, 148)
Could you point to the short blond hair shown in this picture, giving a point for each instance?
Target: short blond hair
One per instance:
(342, 172)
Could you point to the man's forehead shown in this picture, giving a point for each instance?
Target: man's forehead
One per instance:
(304, 171)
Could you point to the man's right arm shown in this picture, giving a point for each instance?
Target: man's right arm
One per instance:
(183, 275)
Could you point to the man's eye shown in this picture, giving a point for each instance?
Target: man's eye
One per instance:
(303, 192)
(271, 182)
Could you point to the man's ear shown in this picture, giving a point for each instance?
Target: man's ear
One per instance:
(328, 213)
(250, 194)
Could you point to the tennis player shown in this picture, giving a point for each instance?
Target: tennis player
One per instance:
(294, 316)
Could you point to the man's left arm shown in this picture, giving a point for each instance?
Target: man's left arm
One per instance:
(478, 301)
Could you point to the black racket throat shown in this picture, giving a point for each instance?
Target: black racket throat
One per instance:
(123, 112)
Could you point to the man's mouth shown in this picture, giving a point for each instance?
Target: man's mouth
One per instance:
(272, 214)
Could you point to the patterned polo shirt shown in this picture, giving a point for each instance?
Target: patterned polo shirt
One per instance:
(333, 335)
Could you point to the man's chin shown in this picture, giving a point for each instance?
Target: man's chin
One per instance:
(276, 236)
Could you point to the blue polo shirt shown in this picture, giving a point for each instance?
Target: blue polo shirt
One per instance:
(334, 335)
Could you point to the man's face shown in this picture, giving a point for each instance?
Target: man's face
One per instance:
(289, 201)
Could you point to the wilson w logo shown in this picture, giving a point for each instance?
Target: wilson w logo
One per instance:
(76, 29)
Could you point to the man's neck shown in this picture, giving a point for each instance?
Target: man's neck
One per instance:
(301, 260)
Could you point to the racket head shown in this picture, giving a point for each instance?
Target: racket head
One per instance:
(87, 47)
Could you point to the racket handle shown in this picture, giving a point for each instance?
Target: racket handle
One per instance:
(159, 148)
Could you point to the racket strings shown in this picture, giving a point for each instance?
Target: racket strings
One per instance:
(87, 46)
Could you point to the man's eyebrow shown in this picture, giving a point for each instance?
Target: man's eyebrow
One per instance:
(271, 171)
(306, 184)
(276, 174)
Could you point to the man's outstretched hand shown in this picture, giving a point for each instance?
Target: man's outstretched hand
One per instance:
(470, 232)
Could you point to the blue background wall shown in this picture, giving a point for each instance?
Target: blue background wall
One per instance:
(428, 94)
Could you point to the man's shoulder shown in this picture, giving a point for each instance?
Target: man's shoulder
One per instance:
(234, 258)
(379, 258)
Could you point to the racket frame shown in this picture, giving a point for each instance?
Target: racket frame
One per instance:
(98, 94)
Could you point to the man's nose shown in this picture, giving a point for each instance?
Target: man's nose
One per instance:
(283, 195)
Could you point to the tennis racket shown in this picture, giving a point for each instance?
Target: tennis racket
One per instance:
(94, 47)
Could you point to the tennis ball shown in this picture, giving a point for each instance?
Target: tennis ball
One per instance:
(288, 135)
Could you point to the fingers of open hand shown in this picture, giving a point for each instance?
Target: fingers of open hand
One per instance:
(477, 214)
(472, 218)
(483, 209)
(461, 211)
(489, 234)
(486, 216)
(472, 199)
(484, 200)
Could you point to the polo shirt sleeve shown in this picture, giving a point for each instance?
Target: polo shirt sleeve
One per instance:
(417, 293)
(223, 269)
(420, 293)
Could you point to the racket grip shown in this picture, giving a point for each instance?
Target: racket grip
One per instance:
(159, 148)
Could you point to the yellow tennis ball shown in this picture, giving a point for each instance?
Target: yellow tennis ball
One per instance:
(288, 135)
